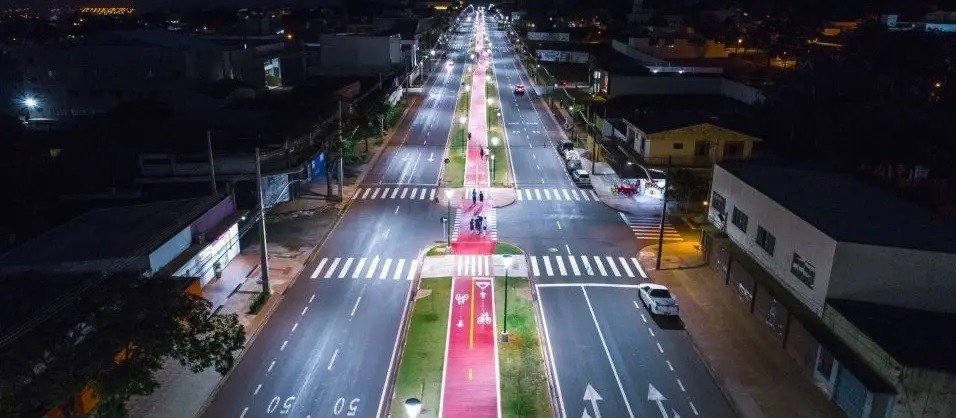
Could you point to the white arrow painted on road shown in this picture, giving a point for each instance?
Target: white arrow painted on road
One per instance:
(586, 415)
(431, 157)
(460, 323)
(676, 415)
(592, 396)
(655, 395)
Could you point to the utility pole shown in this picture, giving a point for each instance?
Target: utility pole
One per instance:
(212, 163)
(341, 156)
(263, 247)
(660, 236)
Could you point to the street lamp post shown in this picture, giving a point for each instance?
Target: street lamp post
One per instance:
(413, 407)
(464, 134)
(449, 193)
(492, 169)
(507, 260)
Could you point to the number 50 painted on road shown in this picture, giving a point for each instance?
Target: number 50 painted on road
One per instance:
(340, 406)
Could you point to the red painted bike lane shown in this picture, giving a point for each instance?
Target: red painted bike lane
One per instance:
(470, 385)
(471, 363)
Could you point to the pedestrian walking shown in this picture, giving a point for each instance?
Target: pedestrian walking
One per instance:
(481, 197)
(474, 197)
(471, 225)
(484, 229)
(482, 152)
(469, 136)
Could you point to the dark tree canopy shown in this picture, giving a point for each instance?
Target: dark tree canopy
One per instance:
(147, 320)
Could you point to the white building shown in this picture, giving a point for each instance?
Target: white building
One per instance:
(830, 237)
(857, 285)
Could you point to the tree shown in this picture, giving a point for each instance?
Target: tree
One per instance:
(114, 335)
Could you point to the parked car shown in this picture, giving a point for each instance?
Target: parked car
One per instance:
(519, 89)
(658, 299)
(581, 176)
(572, 165)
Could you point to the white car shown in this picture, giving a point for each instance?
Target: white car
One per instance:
(658, 299)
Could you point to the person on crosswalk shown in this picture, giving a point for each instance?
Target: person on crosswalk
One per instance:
(474, 197)
(471, 225)
(482, 152)
(481, 197)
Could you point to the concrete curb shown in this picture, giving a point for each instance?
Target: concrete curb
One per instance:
(731, 400)
(403, 336)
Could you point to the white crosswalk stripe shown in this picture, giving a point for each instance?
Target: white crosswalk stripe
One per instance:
(400, 192)
(493, 223)
(557, 194)
(473, 265)
(580, 266)
(455, 226)
(361, 268)
(649, 227)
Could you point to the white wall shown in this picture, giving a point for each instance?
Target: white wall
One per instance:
(170, 250)
(622, 85)
(894, 276)
(792, 234)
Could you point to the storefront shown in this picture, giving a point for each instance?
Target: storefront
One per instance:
(209, 261)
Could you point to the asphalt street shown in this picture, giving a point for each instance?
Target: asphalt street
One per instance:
(330, 346)
(610, 357)
(416, 153)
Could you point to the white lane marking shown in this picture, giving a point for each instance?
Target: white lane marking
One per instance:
(331, 362)
(304, 310)
(432, 196)
(642, 315)
(375, 193)
(385, 193)
(537, 194)
(294, 326)
(422, 196)
(639, 269)
(560, 262)
(256, 392)
(534, 266)
(661, 349)
(557, 222)
(394, 192)
(600, 265)
(283, 345)
(396, 210)
(385, 266)
(244, 410)
(398, 268)
(574, 265)
(411, 270)
(566, 247)
(650, 331)
(542, 180)
(364, 195)
(587, 265)
(693, 408)
(345, 268)
(312, 298)
(575, 194)
(610, 262)
(681, 386)
(331, 268)
(271, 365)
(355, 306)
(557, 196)
(371, 268)
(404, 192)
(669, 366)
(387, 231)
(358, 268)
(539, 167)
(607, 352)
(414, 192)
(547, 194)
(547, 265)
(566, 195)
(319, 268)
(626, 268)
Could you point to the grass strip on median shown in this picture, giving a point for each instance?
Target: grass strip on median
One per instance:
(420, 371)
(503, 248)
(454, 175)
(523, 382)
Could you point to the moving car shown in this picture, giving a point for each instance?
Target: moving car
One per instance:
(519, 89)
(658, 299)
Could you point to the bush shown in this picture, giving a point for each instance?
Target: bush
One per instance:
(258, 302)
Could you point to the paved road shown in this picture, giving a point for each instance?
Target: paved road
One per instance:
(607, 352)
(416, 153)
(330, 345)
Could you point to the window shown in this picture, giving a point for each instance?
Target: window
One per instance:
(765, 240)
(719, 203)
(803, 270)
(739, 220)
(678, 145)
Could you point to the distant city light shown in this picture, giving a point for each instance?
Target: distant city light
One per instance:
(30, 102)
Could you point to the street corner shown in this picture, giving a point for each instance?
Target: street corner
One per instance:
(675, 256)
(503, 196)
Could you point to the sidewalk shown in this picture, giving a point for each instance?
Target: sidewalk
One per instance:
(755, 373)
(295, 229)
(604, 178)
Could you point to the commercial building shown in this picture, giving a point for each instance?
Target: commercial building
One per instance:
(856, 284)
(359, 55)
(190, 238)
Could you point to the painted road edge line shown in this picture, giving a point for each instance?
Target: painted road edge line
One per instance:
(554, 369)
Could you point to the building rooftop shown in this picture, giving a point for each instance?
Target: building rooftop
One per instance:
(115, 233)
(150, 37)
(659, 113)
(846, 209)
(911, 336)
